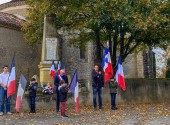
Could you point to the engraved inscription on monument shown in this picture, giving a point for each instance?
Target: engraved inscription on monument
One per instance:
(52, 49)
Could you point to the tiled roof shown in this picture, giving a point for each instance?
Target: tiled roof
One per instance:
(11, 4)
(9, 20)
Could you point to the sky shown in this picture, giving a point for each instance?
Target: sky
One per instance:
(4, 1)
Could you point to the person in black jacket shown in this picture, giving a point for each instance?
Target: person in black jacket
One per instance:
(98, 84)
(63, 90)
(57, 79)
(32, 94)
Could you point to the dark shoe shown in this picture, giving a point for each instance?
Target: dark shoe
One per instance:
(114, 108)
(57, 110)
(65, 116)
(33, 109)
(100, 107)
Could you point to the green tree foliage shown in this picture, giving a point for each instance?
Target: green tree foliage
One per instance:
(126, 24)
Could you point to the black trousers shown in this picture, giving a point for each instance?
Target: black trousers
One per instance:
(32, 104)
(113, 99)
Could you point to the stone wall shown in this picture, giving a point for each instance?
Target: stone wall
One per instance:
(140, 67)
(130, 66)
(72, 61)
(27, 58)
(138, 91)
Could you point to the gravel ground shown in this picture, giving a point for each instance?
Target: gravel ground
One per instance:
(138, 114)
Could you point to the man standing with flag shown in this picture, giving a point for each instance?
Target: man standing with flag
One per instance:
(98, 84)
(4, 77)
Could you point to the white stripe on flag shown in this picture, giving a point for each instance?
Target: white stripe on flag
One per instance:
(76, 93)
(20, 91)
(12, 75)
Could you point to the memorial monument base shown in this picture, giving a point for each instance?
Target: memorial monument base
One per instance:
(44, 72)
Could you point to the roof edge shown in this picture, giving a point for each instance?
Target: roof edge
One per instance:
(12, 4)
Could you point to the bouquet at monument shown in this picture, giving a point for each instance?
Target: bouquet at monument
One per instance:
(47, 89)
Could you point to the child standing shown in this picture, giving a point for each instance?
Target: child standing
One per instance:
(32, 94)
(113, 92)
(63, 90)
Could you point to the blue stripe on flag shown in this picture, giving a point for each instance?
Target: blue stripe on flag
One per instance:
(74, 82)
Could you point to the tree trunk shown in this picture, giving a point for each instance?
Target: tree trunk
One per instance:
(98, 48)
(114, 48)
(122, 45)
(110, 43)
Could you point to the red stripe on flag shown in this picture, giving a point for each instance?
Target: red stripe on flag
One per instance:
(77, 104)
(58, 71)
(18, 103)
(108, 73)
(121, 82)
(52, 73)
(11, 88)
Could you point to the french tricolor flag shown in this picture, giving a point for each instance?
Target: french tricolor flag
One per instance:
(58, 67)
(107, 65)
(20, 93)
(74, 89)
(120, 75)
(12, 80)
(52, 70)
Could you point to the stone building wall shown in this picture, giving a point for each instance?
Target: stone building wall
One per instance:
(140, 66)
(130, 66)
(72, 61)
(27, 58)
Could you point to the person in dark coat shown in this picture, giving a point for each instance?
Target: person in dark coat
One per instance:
(113, 92)
(32, 94)
(63, 90)
(57, 79)
(97, 85)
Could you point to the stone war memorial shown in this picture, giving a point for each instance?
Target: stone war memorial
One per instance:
(50, 49)
(75, 35)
